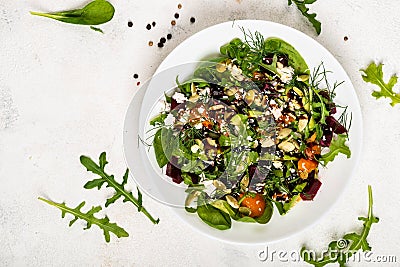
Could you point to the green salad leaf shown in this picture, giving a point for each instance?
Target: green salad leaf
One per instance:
(161, 158)
(279, 46)
(110, 181)
(103, 223)
(337, 146)
(341, 250)
(302, 7)
(95, 13)
(374, 74)
(212, 216)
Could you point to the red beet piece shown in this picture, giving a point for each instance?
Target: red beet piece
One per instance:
(337, 128)
(311, 190)
(174, 172)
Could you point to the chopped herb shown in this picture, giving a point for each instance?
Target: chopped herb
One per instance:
(96, 29)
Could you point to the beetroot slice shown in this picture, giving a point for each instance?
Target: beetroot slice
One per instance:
(174, 173)
(174, 104)
(337, 128)
(327, 137)
(311, 190)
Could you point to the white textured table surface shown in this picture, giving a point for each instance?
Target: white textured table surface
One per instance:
(64, 90)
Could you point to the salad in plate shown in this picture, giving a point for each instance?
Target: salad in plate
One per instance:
(249, 131)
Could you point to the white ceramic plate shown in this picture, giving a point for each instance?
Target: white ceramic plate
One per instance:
(202, 45)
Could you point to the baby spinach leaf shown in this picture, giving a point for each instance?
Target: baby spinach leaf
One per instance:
(373, 74)
(212, 216)
(302, 7)
(337, 146)
(110, 181)
(103, 223)
(278, 46)
(161, 158)
(349, 244)
(95, 13)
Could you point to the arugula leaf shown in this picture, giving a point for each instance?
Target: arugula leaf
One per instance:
(302, 7)
(373, 74)
(95, 13)
(110, 182)
(341, 250)
(103, 223)
(337, 146)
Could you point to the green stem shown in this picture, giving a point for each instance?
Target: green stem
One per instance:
(52, 16)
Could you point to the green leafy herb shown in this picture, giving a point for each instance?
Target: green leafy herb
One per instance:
(373, 74)
(96, 29)
(212, 216)
(279, 46)
(302, 7)
(337, 146)
(95, 13)
(103, 223)
(159, 150)
(110, 182)
(341, 250)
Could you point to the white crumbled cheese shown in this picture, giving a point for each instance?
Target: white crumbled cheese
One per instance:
(249, 138)
(285, 73)
(198, 126)
(277, 112)
(277, 164)
(205, 92)
(179, 97)
(195, 148)
(207, 183)
(200, 110)
(169, 120)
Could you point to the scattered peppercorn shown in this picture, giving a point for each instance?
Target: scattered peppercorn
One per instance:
(192, 20)
(148, 26)
(138, 83)
(135, 76)
(162, 40)
(169, 36)
(179, 6)
(173, 22)
(346, 38)
(153, 23)
(151, 43)
(160, 45)
(176, 15)
(130, 24)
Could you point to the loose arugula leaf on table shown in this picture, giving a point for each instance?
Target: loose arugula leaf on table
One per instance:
(95, 13)
(374, 74)
(302, 7)
(341, 250)
(337, 146)
(111, 182)
(103, 223)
